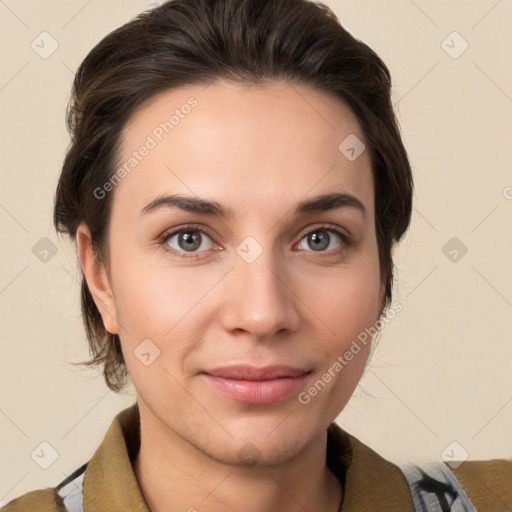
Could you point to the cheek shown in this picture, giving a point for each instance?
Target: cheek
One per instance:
(346, 302)
(152, 297)
(347, 314)
(167, 306)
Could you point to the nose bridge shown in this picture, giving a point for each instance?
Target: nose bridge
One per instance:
(262, 302)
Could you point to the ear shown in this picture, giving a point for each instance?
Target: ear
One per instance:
(97, 279)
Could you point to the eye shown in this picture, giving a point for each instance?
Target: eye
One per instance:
(187, 241)
(325, 239)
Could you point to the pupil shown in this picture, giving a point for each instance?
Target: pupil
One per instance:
(192, 241)
(319, 241)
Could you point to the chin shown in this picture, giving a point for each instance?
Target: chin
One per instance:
(255, 452)
(261, 441)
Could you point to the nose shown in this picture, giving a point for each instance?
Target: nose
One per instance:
(260, 299)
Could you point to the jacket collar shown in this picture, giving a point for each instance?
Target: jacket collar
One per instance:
(111, 468)
(369, 482)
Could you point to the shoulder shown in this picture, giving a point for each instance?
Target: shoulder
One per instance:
(488, 483)
(468, 486)
(473, 485)
(44, 500)
(64, 497)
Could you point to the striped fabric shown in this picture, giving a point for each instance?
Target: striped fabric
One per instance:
(71, 490)
(434, 488)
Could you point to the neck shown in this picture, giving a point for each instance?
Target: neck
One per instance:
(175, 476)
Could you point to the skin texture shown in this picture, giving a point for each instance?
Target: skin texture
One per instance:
(257, 150)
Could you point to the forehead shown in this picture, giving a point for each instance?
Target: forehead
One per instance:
(245, 142)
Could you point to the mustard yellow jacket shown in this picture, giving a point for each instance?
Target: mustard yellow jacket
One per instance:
(107, 483)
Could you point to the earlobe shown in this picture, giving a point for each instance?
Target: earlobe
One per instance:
(97, 280)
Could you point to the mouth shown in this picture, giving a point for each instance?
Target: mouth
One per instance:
(249, 384)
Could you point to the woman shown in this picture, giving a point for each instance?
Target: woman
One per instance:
(235, 184)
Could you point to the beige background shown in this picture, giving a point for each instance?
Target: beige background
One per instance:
(442, 369)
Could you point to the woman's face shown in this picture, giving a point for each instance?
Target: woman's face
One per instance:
(269, 284)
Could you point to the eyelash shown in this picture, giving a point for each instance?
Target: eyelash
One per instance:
(346, 240)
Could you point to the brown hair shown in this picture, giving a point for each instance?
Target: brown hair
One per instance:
(185, 42)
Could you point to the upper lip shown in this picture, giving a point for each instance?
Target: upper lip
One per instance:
(247, 372)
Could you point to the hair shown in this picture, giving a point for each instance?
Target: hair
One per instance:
(192, 42)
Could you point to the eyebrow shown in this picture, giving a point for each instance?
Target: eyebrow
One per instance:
(320, 203)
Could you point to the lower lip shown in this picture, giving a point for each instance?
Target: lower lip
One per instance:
(256, 391)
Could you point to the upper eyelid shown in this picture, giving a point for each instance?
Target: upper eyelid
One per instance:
(188, 227)
(325, 226)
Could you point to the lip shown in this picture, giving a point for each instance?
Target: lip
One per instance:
(250, 384)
